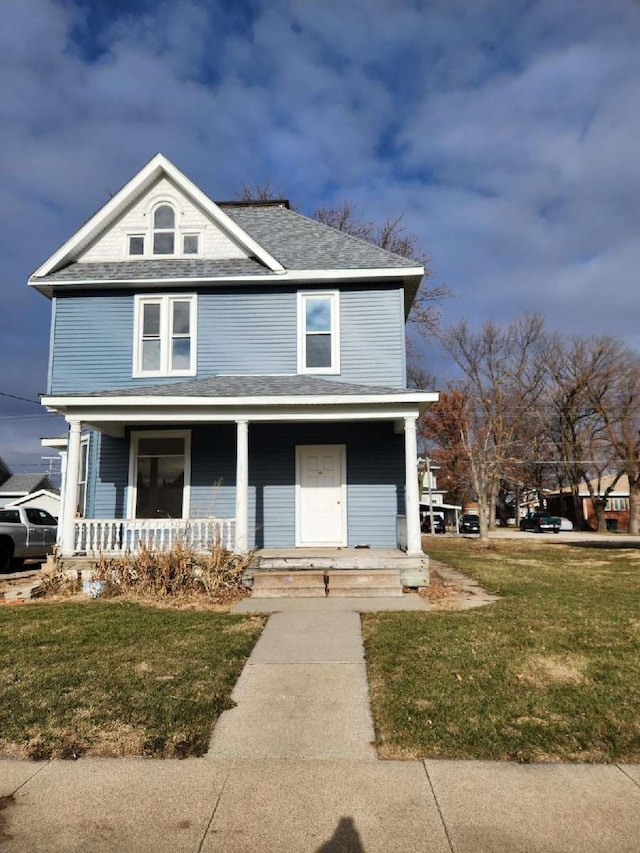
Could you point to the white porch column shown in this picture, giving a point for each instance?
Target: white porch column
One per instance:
(412, 499)
(242, 486)
(70, 501)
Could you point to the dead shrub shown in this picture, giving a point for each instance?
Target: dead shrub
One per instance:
(178, 572)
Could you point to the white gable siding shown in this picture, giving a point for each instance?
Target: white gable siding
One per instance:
(112, 245)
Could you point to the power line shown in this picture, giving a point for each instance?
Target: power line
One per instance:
(24, 417)
(15, 397)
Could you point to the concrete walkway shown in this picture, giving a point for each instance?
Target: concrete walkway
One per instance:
(292, 769)
(303, 692)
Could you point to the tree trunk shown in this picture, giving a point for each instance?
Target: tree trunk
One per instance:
(484, 514)
(634, 506)
(599, 503)
(578, 509)
(493, 497)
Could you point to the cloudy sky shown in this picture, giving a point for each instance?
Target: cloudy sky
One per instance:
(507, 132)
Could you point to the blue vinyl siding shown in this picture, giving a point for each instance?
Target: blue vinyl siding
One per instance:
(241, 331)
(109, 477)
(372, 337)
(375, 478)
(213, 471)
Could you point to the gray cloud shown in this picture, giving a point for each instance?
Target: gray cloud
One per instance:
(506, 133)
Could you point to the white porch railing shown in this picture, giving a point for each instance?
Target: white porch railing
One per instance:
(95, 536)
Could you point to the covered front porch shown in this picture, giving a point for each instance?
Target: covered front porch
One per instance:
(334, 470)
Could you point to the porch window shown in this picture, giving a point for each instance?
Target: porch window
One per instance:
(318, 332)
(160, 465)
(165, 336)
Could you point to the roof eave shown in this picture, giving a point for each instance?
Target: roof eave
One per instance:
(411, 277)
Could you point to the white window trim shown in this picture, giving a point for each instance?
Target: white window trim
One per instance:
(190, 233)
(179, 232)
(132, 488)
(334, 296)
(127, 246)
(164, 300)
(84, 452)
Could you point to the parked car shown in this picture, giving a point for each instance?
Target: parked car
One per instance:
(540, 522)
(25, 532)
(438, 524)
(566, 524)
(469, 523)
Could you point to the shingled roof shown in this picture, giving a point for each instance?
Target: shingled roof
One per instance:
(19, 484)
(300, 243)
(296, 242)
(250, 386)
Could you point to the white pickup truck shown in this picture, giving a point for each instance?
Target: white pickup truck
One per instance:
(25, 533)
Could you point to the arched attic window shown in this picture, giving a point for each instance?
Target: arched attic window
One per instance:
(164, 230)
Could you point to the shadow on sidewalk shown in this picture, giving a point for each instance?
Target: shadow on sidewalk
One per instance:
(346, 839)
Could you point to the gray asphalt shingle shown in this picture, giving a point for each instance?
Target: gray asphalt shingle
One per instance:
(249, 386)
(25, 483)
(293, 240)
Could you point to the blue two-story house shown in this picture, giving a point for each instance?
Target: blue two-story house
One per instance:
(234, 370)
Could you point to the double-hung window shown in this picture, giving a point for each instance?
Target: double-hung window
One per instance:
(318, 332)
(165, 335)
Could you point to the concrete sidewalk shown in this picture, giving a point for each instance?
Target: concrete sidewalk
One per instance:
(295, 806)
(292, 768)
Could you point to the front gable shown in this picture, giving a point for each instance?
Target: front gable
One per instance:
(104, 238)
(134, 228)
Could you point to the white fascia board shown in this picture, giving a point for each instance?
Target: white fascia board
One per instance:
(225, 222)
(59, 443)
(189, 416)
(165, 402)
(288, 276)
(31, 495)
(145, 177)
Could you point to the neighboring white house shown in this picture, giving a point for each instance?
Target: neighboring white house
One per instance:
(14, 487)
(42, 499)
(433, 497)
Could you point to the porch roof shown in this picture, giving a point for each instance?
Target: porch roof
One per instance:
(252, 386)
(232, 398)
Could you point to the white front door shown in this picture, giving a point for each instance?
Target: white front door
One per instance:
(321, 512)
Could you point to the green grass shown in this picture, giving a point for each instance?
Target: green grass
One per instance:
(549, 672)
(107, 678)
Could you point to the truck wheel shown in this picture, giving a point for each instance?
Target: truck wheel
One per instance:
(5, 556)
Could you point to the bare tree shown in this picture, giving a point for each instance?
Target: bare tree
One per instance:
(584, 378)
(258, 192)
(442, 429)
(503, 380)
(615, 393)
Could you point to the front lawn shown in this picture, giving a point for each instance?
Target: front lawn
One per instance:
(106, 678)
(549, 672)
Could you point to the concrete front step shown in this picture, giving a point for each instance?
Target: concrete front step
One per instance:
(309, 584)
(348, 583)
(336, 582)
(347, 563)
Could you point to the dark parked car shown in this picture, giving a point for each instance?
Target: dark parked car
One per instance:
(469, 524)
(540, 522)
(438, 524)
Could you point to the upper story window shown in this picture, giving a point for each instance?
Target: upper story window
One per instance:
(164, 237)
(164, 230)
(318, 332)
(165, 335)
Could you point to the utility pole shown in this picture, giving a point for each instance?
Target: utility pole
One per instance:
(428, 472)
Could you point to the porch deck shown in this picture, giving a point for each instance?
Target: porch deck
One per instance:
(301, 559)
(411, 571)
